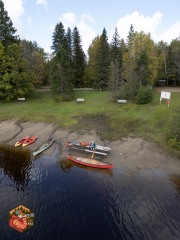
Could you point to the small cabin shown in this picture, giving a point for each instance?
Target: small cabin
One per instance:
(161, 83)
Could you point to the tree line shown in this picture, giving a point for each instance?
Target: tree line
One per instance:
(121, 66)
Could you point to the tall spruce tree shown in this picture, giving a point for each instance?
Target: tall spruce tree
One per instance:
(103, 62)
(115, 47)
(78, 58)
(58, 38)
(69, 43)
(61, 70)
(7, 31)
(130, 35)
(116, 65)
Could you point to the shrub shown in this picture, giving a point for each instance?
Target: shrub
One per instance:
(173, 142)
(173, 137)
(144, 95)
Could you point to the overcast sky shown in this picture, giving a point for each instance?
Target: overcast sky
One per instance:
(35, 20)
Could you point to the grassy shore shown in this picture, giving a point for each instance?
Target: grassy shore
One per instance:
(111, 120)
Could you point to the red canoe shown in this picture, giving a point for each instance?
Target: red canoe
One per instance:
(20, 142)
(89, 162)
(29, 141)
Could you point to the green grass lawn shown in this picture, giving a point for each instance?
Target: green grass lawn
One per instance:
(111, 120)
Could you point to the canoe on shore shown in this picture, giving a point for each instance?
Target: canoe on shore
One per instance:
(89, 162)
(86, 146)
(29, 141)
(44, 146)
(20, 142)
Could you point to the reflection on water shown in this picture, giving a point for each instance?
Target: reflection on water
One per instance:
(15, 163)
(71, 201)
(176, 180)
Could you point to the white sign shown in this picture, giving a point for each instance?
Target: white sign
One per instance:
(165, 95)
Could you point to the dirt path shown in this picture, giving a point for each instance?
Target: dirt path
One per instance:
(129, 153)
(167, 89)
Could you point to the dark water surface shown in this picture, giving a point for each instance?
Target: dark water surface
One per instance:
(74, 202)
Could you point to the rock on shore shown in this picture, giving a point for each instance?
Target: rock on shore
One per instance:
(130, 153)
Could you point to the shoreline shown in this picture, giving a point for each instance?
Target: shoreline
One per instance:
(128, 153)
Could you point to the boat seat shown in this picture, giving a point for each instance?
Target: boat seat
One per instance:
(100, 153)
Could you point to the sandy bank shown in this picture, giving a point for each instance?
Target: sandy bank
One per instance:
(131, 153)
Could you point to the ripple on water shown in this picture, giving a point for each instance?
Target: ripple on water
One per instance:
(75, 202)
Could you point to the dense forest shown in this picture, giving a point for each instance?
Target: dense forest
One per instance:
(123, 66)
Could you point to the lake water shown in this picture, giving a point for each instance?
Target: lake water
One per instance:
(74, 202)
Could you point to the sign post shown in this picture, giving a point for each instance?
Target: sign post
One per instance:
(167, 96)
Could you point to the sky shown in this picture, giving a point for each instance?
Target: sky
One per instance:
(35, 20)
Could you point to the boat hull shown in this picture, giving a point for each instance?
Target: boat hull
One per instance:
(20, 142)
(89, 162)
(43, 147)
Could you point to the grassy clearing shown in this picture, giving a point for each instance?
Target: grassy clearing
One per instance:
(111, 120)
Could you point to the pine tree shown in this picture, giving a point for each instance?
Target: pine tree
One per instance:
(130, 35)
(116, 65)
(78, 58)
(61, 70)
(61, 76)
(58, 38)
(103, 62)
(14, 79)
(115, 51)
(7, 30)
(69, 43)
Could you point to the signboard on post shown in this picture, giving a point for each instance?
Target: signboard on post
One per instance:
(167, 96)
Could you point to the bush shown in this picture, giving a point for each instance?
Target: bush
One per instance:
(173, 137)
(144, 95)
(173, 142)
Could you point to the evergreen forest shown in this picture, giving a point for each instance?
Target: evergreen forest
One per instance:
(123, 66)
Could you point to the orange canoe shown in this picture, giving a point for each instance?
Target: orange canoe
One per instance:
(89, 162)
